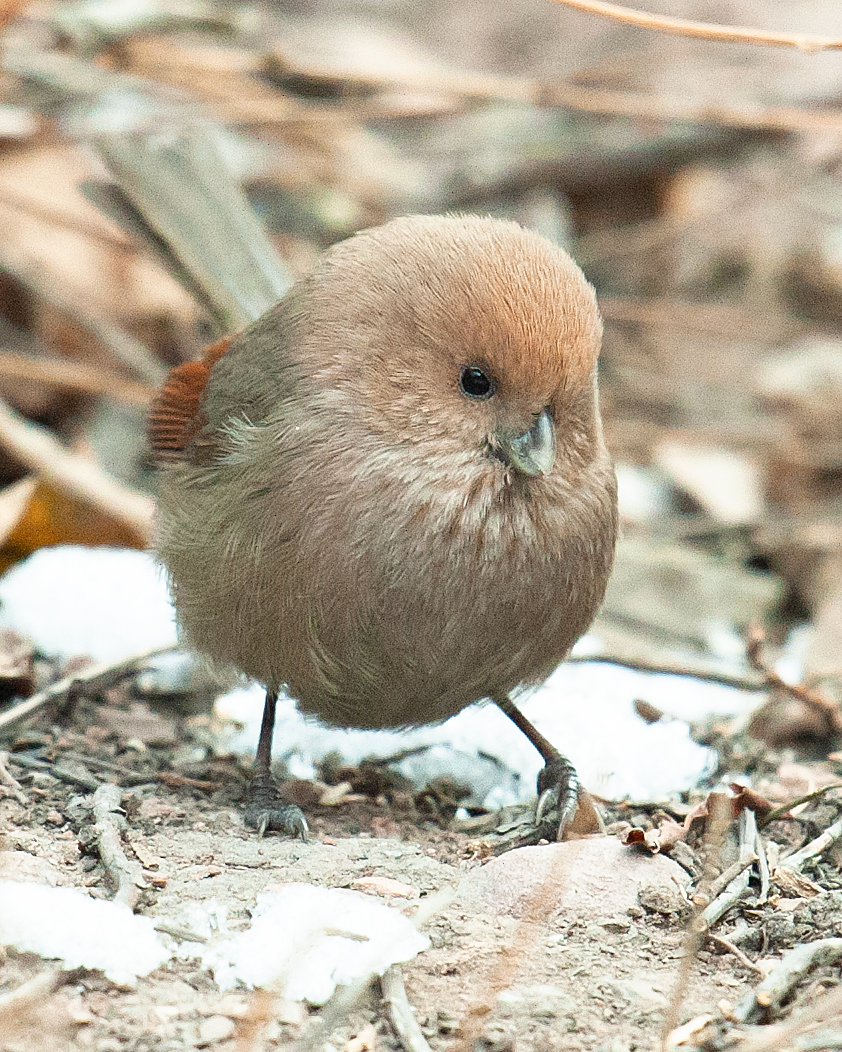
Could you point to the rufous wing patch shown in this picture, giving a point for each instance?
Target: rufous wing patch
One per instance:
(175, 413)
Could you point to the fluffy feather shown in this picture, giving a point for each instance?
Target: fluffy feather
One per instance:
(339, 520)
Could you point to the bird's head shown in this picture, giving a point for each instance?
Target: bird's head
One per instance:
(463, 337)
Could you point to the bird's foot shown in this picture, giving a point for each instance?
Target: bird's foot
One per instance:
(265, 812)
(564, 805)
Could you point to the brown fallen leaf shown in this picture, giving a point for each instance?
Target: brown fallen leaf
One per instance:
(748, 798)
(36, 516)
(668, 832)
(660, 840)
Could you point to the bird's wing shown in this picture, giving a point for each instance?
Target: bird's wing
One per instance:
(175, 415)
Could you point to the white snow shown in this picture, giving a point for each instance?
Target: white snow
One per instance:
(306, 940)
(585, 708)
(112, 603)
(108, 603)
(82, 932)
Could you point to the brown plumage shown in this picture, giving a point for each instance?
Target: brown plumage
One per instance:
(352, 514)
(175, 415)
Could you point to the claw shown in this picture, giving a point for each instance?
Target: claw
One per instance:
(300, 826)
(547, 801)
(264, 812)
(560, 790)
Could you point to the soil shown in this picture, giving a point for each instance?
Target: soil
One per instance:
(562, 946)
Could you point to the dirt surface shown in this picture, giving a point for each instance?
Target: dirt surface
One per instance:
(573, 974)
(563, 946)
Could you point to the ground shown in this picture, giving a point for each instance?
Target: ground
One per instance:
(571, 946)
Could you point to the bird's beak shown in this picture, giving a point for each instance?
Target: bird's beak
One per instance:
(532, 452)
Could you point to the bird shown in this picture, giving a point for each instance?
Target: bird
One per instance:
(390, 495)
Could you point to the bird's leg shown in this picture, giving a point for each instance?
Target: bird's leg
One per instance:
(263, 809)
(559, 788)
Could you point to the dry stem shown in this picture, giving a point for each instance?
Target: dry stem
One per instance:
(699, 927)
(74, 376)
(705, 30)
(126, 876)
(36, 448)
(780, 982)
(815, 848)
(811, 698)
(98, 677)
(400, 1012)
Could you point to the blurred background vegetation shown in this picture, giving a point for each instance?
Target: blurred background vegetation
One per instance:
(696, 182)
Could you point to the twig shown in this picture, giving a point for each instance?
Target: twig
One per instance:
(30, 995)
(79, 777)
(11, 783)
(705, 30)
(74, 376)
(129, 777)
(815, 848)
(127, 876)
(178, 781)
(780, 982)
(697, 930)
(105, 765)
(736, 951)
(36, 448)
(731, 873)
(737, 887)
(400, 1012)
(230, 104)
(781, 1036)
(661, 669)
(784, 809)
(829, 709)
(165, 928)
(96, 678)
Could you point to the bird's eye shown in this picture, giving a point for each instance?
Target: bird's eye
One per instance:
(476, 383)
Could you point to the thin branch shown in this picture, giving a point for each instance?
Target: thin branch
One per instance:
(125, 875)
(719, 940)
(828, 708)
(815, 848)
(73, 376)
(779, 983)
(659, 668)
(11, 783)
(781, 1036)
(400, 1011)
(705, 30)
(784, 809)
(699, 927)
(98, 677)
(269, 108)
(731, 873)
(738, 885)
(38, 450)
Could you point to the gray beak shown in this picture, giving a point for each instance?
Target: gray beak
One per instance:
(533, 452)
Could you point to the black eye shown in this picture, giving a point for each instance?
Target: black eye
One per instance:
(476, 383)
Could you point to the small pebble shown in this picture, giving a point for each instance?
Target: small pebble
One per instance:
(216, 1028)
